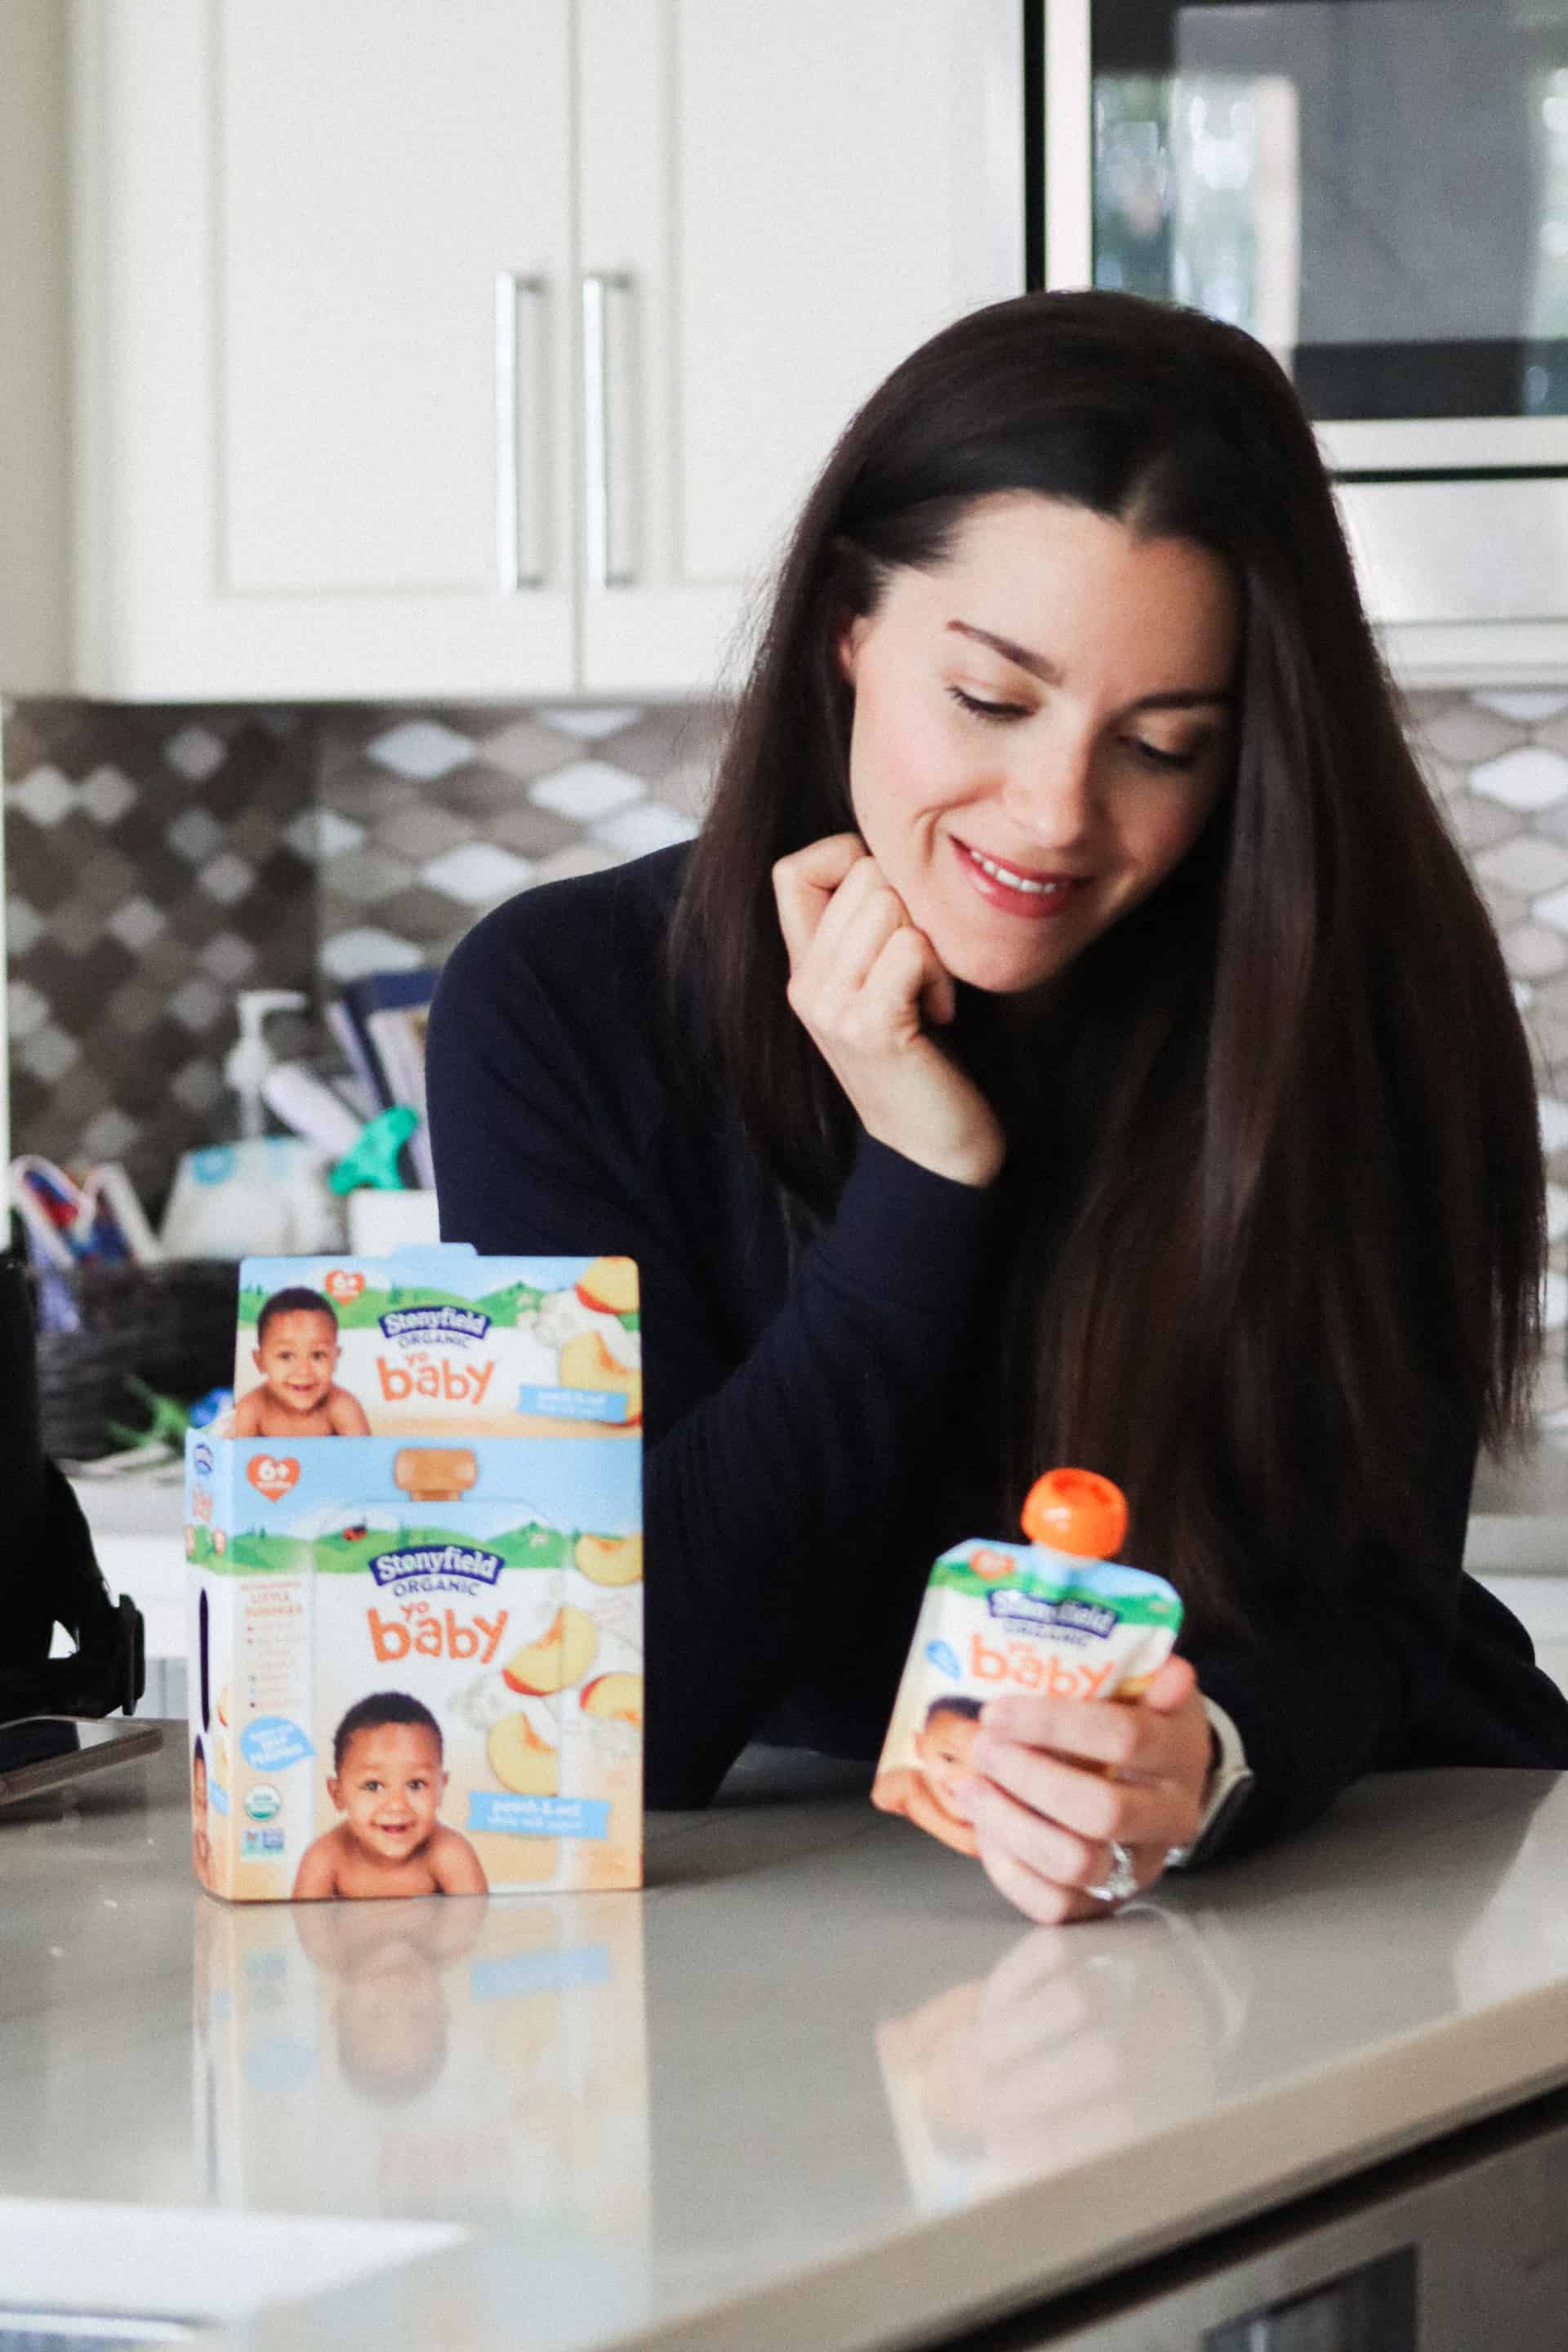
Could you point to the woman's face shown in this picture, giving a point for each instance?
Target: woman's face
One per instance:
(1041, 729)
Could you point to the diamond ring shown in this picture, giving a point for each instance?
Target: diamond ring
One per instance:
(1120, 1882)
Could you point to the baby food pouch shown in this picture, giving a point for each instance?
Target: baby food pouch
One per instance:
(1053, 1616)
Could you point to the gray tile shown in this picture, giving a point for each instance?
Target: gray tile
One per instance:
(421, 831)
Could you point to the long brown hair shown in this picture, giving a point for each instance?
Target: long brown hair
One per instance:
(1284, 1251)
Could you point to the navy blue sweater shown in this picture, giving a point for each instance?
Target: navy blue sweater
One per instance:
(820, 1424)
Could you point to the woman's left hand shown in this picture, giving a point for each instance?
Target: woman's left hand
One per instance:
(1058, 1778)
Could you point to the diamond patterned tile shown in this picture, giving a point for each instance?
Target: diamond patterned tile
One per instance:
(1552, 910)
(1526, 864)
(137, 922)
(23, 928)
(321, 832)
(108, 1135)
(523, 749)
(581, 857)
(435, 920)
(198, 1004)
(588, 725)
(1528, 706)
(1531, 951)
(27, 1009)
(227, 879)
(531, 831)
(421, 748)
(352, 954)
(369, 874)
(48, 1053)
(74, 927)
(1555, 1302)
(194, 835)
(198, 1083)
(1554, 1113)
(195, 753)
(106, 879)
(669, 737)
(478, 874)
(228, 958)
(587, 790)
(1467, 734)
(108, 794)
(648, 826)
(360, 790)
(422, 831)
(45, 795)
(1556, 1212)
(135, 1007)
(1527, 778)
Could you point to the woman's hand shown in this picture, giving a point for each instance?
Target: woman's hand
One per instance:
(864, 982)
(1045, 1822)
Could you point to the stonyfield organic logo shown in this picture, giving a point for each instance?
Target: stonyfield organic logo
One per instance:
(1076, 1616)
(417, 1327)
(448, 1563)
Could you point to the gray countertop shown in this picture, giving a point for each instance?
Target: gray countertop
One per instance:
(818, 2085)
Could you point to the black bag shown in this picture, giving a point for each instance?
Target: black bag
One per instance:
(48, 1574)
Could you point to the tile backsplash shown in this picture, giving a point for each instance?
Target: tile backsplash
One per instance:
(159, 859)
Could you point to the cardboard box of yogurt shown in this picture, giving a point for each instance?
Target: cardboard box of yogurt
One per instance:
(416, 1662)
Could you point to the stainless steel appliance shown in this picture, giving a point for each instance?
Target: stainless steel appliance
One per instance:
(1378, 190)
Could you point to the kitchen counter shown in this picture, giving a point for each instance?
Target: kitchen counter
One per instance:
(817, 2087)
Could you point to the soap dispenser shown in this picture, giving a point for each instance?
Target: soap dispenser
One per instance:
(250, 1060)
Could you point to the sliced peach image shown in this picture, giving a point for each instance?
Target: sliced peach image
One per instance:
(522, 1761)
(561, 1656)
(610, 1285)
(610, 1559)
(614, 1698)
(588, 1363)
(223, 1705)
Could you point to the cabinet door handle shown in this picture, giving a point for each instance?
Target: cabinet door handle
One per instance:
(512, 572)
(604, 570)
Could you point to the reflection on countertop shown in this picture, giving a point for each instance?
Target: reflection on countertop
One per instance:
(816, 2040)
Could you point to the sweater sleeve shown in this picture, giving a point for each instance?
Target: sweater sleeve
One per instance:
(1412, 1664)
(751, 1467)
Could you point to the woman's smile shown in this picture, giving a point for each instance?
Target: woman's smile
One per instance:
(1040, 731)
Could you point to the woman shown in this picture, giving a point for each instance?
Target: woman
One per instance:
(1072, 1038)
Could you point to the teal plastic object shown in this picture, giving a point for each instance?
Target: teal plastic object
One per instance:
(373, 1162)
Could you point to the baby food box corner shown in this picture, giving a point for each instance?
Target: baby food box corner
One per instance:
(416, 1656)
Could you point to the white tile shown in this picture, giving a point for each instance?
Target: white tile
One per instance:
(1524, 995)
(369, 874)
(588, 725)
(1552, 910)
(587, 789)
(228, 957)
(227, 879)
(421, 748)
(26, 1009)
(1529, 705)
(349, 955)
(136, 924)
(319, 834)
(197, 1085)
(1556, 1212)
(477, 874)
(195, 753)
(1554, 1115)
(44, 794)
(106, 793)
(1464, 733)
(194, 835)
(197, 1003)
(649, 826)
(48, 1053)
(1555, 1302)
(1529, 863)
(1533, 952)
(25, 927)
(109, 1134)
(1527, 778)
(576, 858)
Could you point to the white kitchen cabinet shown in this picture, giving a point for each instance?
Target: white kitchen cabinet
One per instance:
(778, 201)
(484, 352)
(324, 282)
